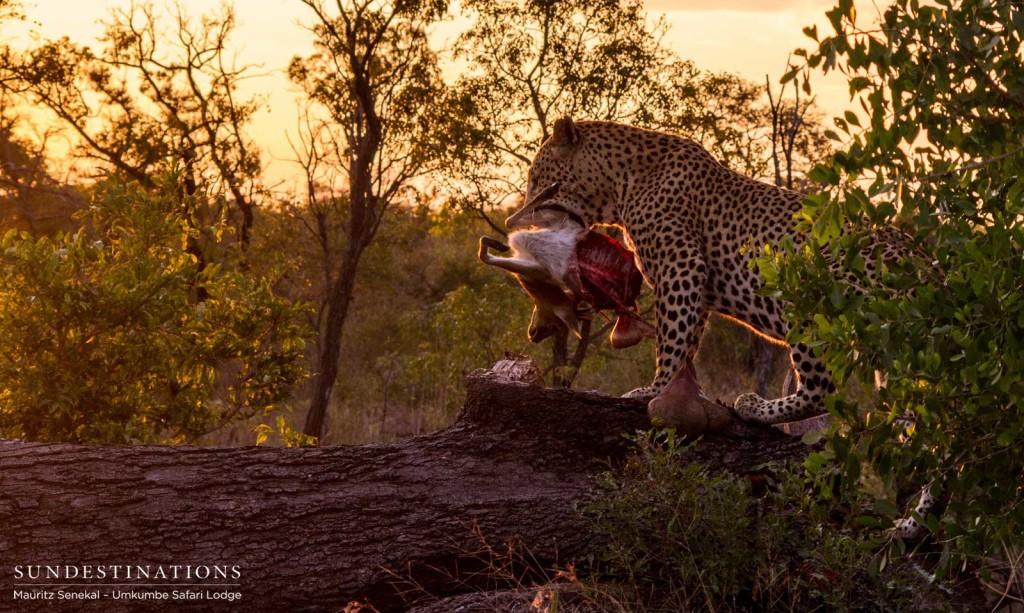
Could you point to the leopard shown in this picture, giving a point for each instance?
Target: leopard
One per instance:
(695, 226)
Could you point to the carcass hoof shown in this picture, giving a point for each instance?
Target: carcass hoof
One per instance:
(687, 416)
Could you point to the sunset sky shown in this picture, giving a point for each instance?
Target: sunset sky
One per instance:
(749, 37)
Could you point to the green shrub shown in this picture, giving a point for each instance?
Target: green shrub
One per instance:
(937, 151)
(102, 338)
(679, 538)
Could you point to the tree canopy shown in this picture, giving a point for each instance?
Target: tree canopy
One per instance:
(161, 93)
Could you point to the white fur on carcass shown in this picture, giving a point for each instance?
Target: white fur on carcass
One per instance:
(552, 248)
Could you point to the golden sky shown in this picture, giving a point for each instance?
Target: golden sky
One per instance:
(749, 37)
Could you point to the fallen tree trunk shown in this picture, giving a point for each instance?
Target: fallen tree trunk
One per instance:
(315, 528)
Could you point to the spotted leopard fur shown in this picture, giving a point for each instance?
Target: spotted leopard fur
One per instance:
(691, 222)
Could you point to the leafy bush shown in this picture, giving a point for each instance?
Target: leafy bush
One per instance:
(102, 338)
(679, 538)
(939, 153)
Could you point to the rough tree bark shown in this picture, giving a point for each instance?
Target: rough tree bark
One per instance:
(340, 292)
(312, 529)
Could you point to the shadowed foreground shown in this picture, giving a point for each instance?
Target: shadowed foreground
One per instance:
(315, 528)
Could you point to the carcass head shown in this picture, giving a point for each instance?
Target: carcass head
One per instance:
(568, 270)
(556, 308)
(544, 211)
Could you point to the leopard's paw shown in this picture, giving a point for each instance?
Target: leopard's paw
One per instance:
(749, 407)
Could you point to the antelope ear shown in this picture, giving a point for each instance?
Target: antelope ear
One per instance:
(565, 133)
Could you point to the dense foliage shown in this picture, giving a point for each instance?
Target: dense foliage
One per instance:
(103, 340)
(938, 150)
(677, 538)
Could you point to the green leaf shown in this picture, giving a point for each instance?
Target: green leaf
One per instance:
(886, 508)
(812, 437)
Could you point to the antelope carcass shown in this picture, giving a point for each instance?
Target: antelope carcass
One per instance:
(570, 271)
(541, 262)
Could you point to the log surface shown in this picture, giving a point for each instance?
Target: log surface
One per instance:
(312, 529)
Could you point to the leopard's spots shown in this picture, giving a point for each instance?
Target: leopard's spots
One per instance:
(693, 224)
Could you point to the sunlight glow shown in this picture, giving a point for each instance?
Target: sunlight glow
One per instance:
(752, 39)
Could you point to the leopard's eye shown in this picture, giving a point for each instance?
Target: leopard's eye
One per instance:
(531, 184)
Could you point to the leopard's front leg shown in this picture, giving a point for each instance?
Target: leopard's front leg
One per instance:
(679, 309)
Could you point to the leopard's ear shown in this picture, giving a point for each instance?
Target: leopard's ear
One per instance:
(565, 133)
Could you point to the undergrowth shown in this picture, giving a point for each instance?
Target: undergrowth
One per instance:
(678, 538)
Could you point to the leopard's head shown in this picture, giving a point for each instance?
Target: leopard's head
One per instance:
(566, 178)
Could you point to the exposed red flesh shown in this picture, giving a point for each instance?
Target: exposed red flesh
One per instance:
(608, 272)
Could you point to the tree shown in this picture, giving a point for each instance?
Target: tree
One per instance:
(797, 144)
(937, 150)
(508, 473)
(101, 340)
(798, 141)
(31, 197)
(156, 98)
(10, 10)
(375, 81)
